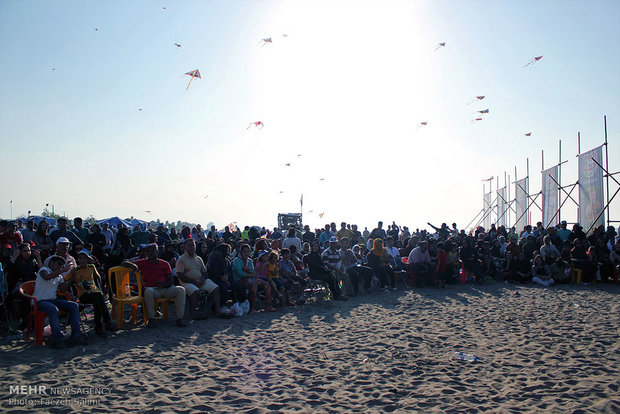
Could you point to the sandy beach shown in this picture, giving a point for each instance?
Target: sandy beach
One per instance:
(539, 350)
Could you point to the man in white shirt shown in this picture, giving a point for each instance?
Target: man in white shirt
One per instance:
(49, 280)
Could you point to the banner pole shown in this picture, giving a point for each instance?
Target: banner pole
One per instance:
(606, 167)
(560, 179)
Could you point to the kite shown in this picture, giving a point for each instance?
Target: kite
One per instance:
(440, 45)
(53, 68)
(484, 111)
(193, 74)
(281, 192)
(321, 215)
(163, 8)
(533, 60)
(265, 41)
(148, 211)
(288, 164)
(476, 120)
(310, 211)
(528, 134)
(479, 98)
(140, 109)
(96, 29)
(257, 124)
(322, 179)
(207, 196)
(487, 180)
(421, 124)
(177, 45)
(284, 35)
(299, 155)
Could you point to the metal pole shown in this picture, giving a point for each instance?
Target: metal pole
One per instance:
(578, 153)
(508, 190)
(559, 180)
(528, 215)
(606, 166)
(11, 208)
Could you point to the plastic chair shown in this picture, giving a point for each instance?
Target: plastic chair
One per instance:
(119, 277)
(164, 304)
(410, 276)
(27, 290)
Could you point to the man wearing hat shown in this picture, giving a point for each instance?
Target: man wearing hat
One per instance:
(62, 250)
(49, 280)
(157, 276)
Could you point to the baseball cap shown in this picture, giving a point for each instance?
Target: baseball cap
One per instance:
(333, 239)
(62, 240)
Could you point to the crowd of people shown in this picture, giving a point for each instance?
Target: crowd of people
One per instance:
(275, 268)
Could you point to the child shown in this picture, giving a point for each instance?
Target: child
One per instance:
(49, 279)
(83, 277)
(262, 279)
(442, 263)
(282, 286)
(288, 270)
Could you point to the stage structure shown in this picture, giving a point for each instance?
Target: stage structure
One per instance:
(593, 182)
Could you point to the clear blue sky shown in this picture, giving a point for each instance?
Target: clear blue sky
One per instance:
(346, 89)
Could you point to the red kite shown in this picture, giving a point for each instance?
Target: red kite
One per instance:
(533, 60)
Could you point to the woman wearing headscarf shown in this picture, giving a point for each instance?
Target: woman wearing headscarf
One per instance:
(378, 259)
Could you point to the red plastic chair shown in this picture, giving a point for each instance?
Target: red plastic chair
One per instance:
(410, 276)
(27, 290)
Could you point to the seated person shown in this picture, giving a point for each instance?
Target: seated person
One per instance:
(49, 280)
(358, 274)
(521, 269)
(378, 260)
(220, 271)
(87, 281)
(560, 271)
(420, 262)
(262, 278)
(192, 275)
(281, 284)
(157, 277)
(244, 276)
(288, 270)
(541, 274)
(332, 258)
(318, 270)
(548, 251)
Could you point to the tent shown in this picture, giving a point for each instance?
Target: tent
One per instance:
(38, 219)
(114, 221)
(136, 222)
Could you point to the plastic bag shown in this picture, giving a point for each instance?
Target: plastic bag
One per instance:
(245, 306)
(236, 309)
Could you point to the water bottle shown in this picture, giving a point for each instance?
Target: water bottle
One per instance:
(465, 357)
(127, 290)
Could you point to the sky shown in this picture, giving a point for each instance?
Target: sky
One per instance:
(95, 117)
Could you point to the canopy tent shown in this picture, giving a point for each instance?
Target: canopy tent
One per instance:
(136, 222)
(38, 219)
(114, 221)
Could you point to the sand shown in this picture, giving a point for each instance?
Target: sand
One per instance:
(539, 350)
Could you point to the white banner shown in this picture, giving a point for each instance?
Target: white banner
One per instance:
(522, 191)
(488, 210)
(591, 201)
(502, 207)
(550, 193)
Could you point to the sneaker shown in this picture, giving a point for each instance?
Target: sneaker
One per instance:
(77, 340)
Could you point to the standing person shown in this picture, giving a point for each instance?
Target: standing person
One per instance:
(162, 235)
(122, 246)
(318, 270)
(442, 265)
(81, 232)
(345, 232)
(28, 232)
(157, 276)
(192, 274)
(366, 233)
(109, 237)
(99, 241)
(63, 231)
(87, 282)
(308, 236)
(291, 239)
(25, 265)
(42, 239)
(174, 236)
(378, 232)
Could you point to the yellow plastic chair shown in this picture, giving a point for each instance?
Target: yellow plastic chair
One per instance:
(164, 304)
(119, 276)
